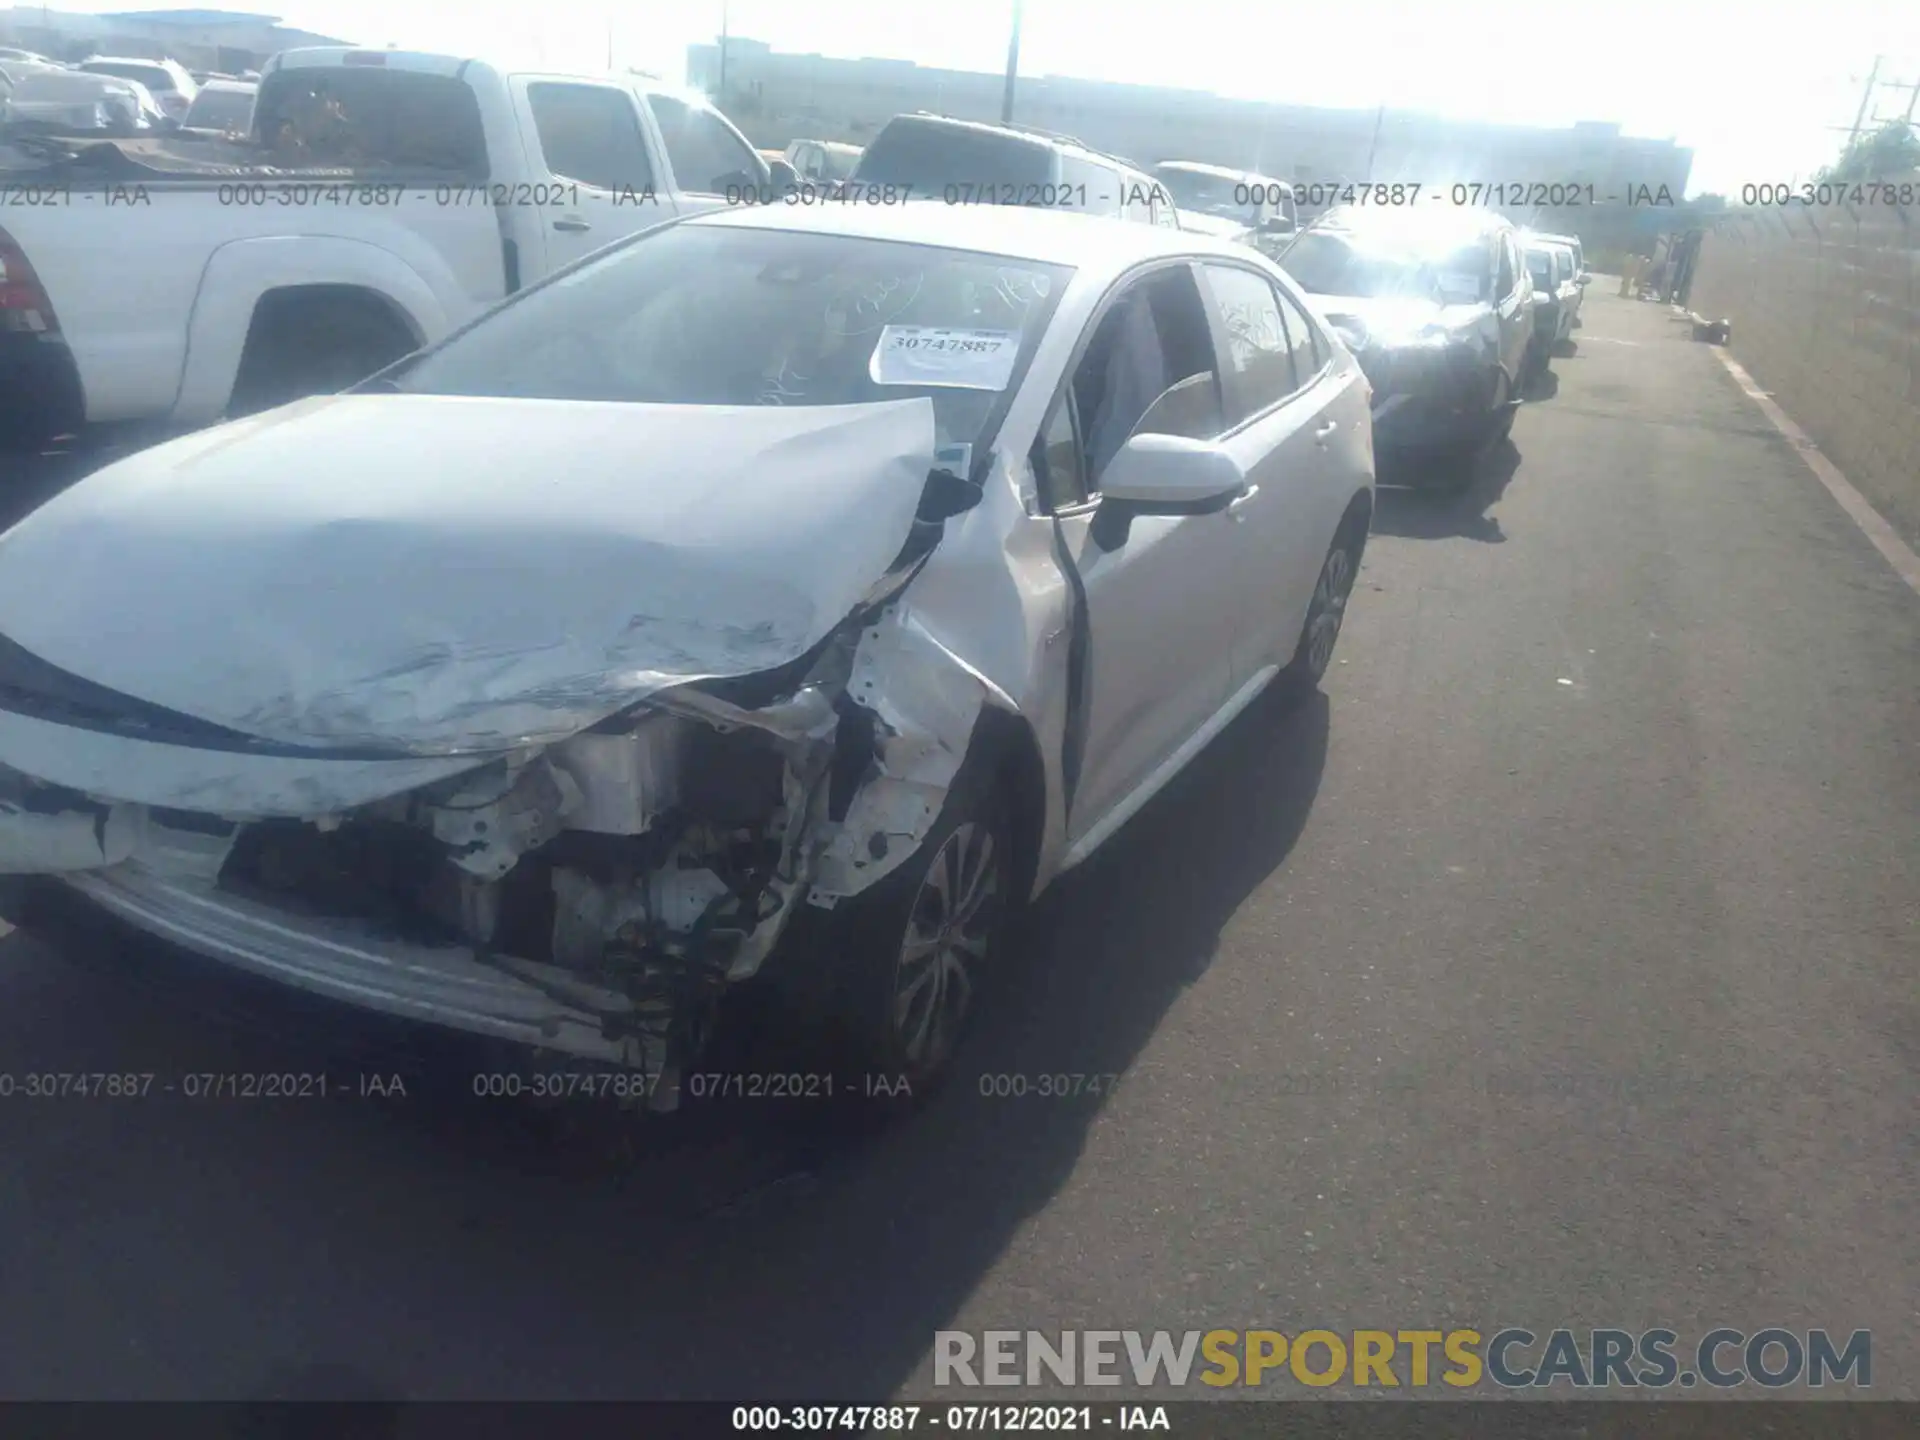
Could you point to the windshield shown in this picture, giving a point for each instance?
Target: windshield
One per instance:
(1226, 197)
(1326, 264)
(713, 315)
(978, 164)
(221, 110)
(1540, 267)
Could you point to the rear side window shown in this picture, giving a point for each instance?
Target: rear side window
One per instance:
(976, 164)
(591, 134)
(227, 110)
(1260, 363)
(372, 116)
(1104, 187)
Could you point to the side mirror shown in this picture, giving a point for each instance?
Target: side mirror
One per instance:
(781, 175)
(1164, 475)
(1583, 278)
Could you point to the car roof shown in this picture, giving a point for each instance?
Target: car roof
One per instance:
(1419, 228)
(232, 87)
(1050, 237)
(146, 60)
(1220, 172)
(1038, 139)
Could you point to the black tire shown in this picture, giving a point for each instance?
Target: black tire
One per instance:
(1326, 613)
(878, 997)
(1500, 418)
(300, 346)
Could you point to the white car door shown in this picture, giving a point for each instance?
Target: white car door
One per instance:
(1300, 426)
(1160, 599)
(593, 145)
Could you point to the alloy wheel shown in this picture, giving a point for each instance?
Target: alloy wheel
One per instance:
(1329, 609)
(949, 929)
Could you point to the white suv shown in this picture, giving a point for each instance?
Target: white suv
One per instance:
(173, 89)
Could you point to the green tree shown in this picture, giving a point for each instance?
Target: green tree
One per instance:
(1893, 149)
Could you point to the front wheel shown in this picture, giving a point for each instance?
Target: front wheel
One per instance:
(913, 950)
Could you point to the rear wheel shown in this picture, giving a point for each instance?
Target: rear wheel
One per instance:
(1325, 613)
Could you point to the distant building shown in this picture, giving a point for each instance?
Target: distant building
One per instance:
(776, 96)
(225, 40)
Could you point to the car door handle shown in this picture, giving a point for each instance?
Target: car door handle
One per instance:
(1325, 430)
(572, 226)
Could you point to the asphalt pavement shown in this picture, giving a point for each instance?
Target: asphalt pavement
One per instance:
(1557, 968)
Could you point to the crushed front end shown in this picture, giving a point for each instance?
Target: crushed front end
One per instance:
(595, 897)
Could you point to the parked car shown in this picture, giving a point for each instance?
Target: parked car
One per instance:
(1572, 242)
(1241, 205)
(11, 56)
(223, 107)
(166, 80)
(1582, 276)
(780, 597)
(423, 188)
(1557, 291)
(69, 102)
(1438, 308)
(822, 162)
(967, 162)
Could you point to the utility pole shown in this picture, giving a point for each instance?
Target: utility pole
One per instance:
(1013, 68)
(1373, 146)
(722, 97)
(1866, 99)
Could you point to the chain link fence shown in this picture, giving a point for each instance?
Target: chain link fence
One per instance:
(1824, 301)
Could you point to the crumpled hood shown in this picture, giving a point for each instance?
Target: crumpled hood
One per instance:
(1393, 317)
(445, 574)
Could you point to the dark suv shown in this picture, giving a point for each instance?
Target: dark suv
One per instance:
(965, 162)
(1439, 311)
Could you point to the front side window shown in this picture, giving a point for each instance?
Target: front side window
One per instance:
(706, 156)
(1506, 280)
(1149, 368)
(698, 314)
(591, 134)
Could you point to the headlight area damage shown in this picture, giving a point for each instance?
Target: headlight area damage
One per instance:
(595, 897)
(579, 844)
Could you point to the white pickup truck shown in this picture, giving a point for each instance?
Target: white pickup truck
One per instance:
(382, 199)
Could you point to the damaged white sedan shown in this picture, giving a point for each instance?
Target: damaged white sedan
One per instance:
(777, 596)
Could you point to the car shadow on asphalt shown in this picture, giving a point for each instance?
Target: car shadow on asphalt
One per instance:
(772, 1248)
(1441, 503)
(1541, 385)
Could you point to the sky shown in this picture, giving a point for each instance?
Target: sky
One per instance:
(1761, 91)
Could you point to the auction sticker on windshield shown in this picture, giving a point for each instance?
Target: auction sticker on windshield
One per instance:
(963, 359)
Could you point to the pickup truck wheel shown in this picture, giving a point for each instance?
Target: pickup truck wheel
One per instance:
(910, 953)
(304, 345)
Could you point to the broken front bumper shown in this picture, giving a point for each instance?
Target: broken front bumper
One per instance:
(521, 1001)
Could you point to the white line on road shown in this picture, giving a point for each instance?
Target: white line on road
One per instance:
(1905, 563)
